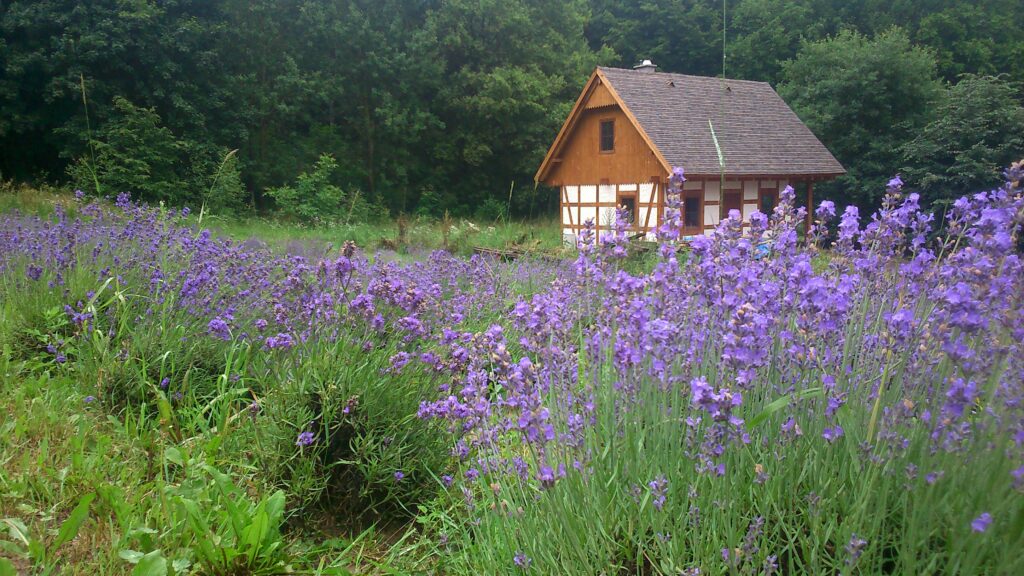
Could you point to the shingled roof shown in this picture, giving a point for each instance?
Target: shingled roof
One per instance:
(757, 132)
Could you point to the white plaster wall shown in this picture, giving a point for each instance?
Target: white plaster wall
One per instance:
(711, 215)
(694, 185)
(712, 192)
(588, 194)
(750, 190)
(606, 194)
(566, 219)
(643, 217)
(588, 212)
(607, 218)
(733, 184)
(627, 187)
(573, 194)
(646, 192)
(768, 183)
(748, 209)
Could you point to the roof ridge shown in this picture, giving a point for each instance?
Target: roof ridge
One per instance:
(680, 75)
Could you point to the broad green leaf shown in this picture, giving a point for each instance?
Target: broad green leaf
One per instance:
(131, 556)
(173, 455)
(17, 529)
(12, 549)
(69, 529)
(7, 568)
(275, 507)
(152, 564)
(252, 535)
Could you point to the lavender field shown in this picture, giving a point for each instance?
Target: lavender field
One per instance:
(746, 403)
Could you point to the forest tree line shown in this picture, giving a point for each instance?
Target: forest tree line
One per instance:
(428, 105)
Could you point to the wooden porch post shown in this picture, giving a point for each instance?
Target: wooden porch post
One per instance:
(810, 208)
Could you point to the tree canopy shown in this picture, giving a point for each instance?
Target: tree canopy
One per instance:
(863, 97)
(435, 105)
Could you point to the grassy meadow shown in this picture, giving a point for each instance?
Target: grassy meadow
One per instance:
(206, 396)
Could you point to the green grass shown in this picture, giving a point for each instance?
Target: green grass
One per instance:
(417, 235)
(136, 478)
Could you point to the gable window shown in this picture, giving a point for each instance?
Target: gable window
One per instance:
(607, 135)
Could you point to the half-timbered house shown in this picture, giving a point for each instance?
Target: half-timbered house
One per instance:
(738, 142)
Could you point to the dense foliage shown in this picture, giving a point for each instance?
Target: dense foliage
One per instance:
(457, 101)
(751, 405)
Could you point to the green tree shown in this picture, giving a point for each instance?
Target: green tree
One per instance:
(513, 69)
(975, 134)
(681, 36)
(161, 55)
(133, 152)
(863, 97)
(763, 34)
(378, 72)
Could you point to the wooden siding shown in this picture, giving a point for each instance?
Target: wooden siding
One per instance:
(600, 97)
(580, 160)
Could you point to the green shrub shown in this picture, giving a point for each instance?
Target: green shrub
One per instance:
(313, 197)
(369, 451)
(133, 152)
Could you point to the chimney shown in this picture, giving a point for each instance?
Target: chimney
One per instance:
(646, 67)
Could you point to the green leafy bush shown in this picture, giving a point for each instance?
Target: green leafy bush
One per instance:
(133, 152)
(367, 449)
(313, 197)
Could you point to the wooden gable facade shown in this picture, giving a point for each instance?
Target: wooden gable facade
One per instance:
(593, 182)
(614, 150)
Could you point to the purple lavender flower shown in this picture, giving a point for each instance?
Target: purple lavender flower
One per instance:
(219, 328)
(399, 475)
(89, 399)
(961, 394)
(304, 439)
(832, 433)
(659, 488)
(521, 560)
(164, 383)
(281, 341)
(826, 210)
(982, 522)
(854, 548)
